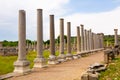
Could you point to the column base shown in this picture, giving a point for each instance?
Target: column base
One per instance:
(39, 63)
(52, 60)
(79, 54)
(69, 56)
(75, 56)
(61, 58)
(22, 67)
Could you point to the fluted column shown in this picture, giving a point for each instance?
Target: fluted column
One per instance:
(39, 61)
(22, 65)
(116, 36)
(52, 57)
(68, 55)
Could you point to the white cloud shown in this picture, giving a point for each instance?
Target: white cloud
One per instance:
(99, 22)
(9, 15)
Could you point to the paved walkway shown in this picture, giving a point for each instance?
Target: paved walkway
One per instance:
(70, 70)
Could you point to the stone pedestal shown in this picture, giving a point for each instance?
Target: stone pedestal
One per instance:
(69, 56)
(75, 56)
(52, 59)
(61, 58)
(22, 65)
(39, 63)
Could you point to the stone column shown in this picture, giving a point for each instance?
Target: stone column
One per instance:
(82, 37)
(116, 36)
(52, 57)
(69, 55)
(92, 42)
(95, 41)
(90, 37)
(85, 40)
(62, 56)
(39, 61)
(22, 65)
(74, 44)
(78, 40)
(102, 40)
(88, 40)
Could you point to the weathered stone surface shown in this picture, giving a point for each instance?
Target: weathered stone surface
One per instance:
(69, 55)
(85, 76)
(93, 76)
(62, 56)
(82, 37)
(39, 61)
(22, 65)
(75, 56)
(116, 36)
(108, 55)
(52, 58)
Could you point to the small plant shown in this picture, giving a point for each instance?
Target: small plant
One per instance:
(112, 72)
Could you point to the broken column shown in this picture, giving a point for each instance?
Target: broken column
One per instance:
(116, 36)
(22, 64)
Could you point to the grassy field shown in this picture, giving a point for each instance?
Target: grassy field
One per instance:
(112, 72)
(6, 62)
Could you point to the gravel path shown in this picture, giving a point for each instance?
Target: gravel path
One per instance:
(70, 70)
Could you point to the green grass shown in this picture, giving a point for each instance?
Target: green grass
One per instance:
(6, 62)
(112, 72)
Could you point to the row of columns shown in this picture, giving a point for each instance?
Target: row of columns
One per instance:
(90, 41)
(85, 42)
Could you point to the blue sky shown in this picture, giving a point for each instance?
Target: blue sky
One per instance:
(98, 15)
(91, 6)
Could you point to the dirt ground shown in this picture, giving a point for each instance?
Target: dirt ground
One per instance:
(70, 70)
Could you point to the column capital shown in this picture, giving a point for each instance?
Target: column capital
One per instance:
(115, 30)
(82, 26)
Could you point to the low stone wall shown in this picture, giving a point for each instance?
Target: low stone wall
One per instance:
(8, 51)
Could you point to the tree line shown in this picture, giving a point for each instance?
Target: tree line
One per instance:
(108, 39)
